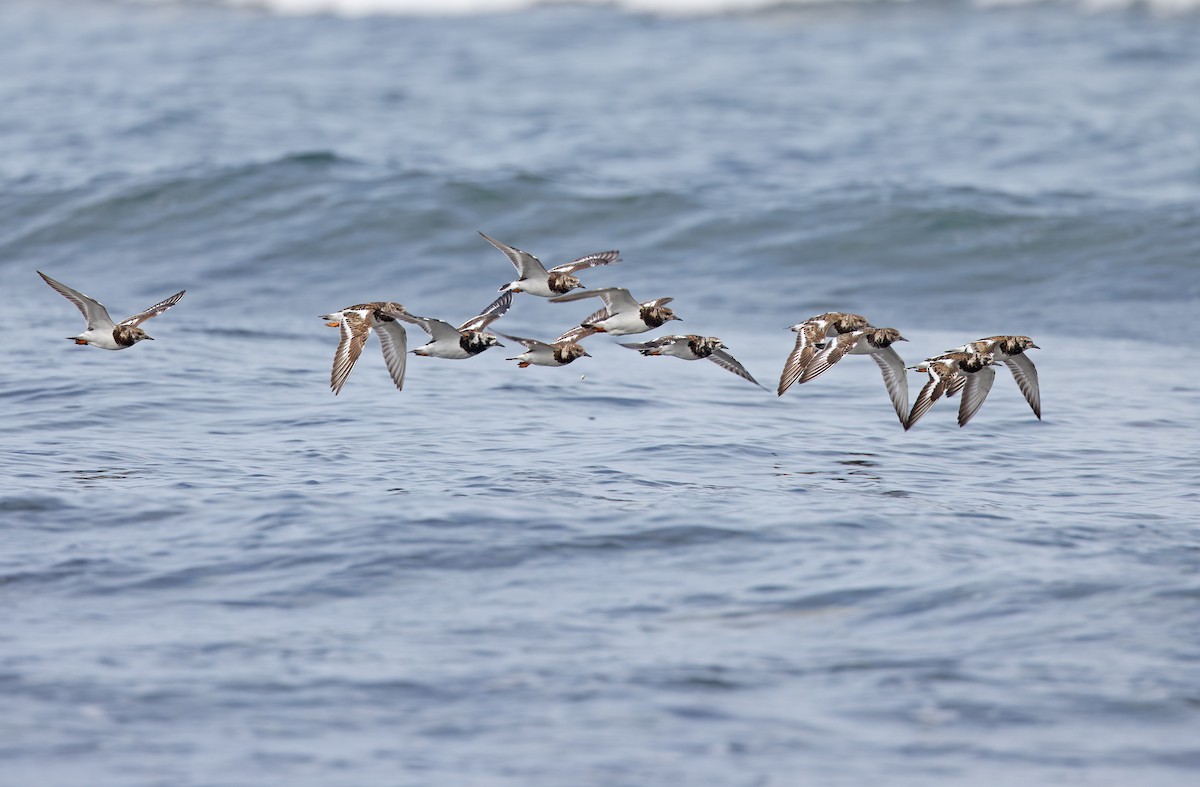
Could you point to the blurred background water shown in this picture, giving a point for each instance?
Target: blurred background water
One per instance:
(629, 571)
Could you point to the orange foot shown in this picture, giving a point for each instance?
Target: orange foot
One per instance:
(81, 341)
(334, 324)
(523, 365)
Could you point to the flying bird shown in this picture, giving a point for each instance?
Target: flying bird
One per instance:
(1010, 351)
(465, 341)
(356, 323)
(533, 278)
(101, 331)
(559, 352)
(969, 372)
(621, 315)
(810, 339)
(875, 342)
(692, 348)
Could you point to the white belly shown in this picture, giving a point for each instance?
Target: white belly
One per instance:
(539, 287)
(451, 350)
(102, 339)
(623, 324)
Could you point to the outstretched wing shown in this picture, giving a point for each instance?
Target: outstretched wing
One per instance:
(728, 362)
(355, 330)
(93, 310)
(576, 334)
(975, 391)
(617, 299)
(394, 340)
(932, 391)
(892, 367)
(492, 312)
(653, 344)
(807, 339)
(438, 330)
(1025, 373)
(834, 351)
(590, 261)
(153, 311)
(530, 344)
(526, 264)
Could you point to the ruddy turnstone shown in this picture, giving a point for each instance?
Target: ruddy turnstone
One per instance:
(533, 278)
(101, 331)
(969, 372)
(621, 315)
(1010, 351)
(560, 352)
(465, 341)
(356, 323)
(692, 348)
(875, 342)
(810, 338)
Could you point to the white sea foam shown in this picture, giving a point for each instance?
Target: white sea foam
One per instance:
(440, 7)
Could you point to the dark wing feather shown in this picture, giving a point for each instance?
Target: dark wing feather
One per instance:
(835, 351)
(894, 379)
(588, 261)
(1025, 373)
(802, 355)
(930, 393)
(154, 310)
(729, 363)
(492, 312)
(394, 340)
(523, 261)
(93, 310)
(355, 331)
(975, 391)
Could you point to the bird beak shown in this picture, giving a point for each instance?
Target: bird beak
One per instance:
(498, 344)
(151, 338)
(1034, 347)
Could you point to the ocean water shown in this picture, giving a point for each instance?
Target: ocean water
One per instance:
(628, 571)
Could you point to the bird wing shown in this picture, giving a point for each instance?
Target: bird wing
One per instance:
(530, 344)
(153, 311)
(525, 263)
(589, 261)
(955, 383)
(438, 330)
(834, 351)
(492, 312)
(728, 362)
(576, 334)
(975, 391)
(617, 299)
(1025, 373)
(93, 310)
(658, 302)
(802, 354)
(394, 340)
(355, 330)
(892, 367)
(599, 315)
(930, 393)
(653, 344)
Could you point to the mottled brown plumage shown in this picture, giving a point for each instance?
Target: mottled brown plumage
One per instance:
(810, 338)
(969, 372)
(356, 323)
